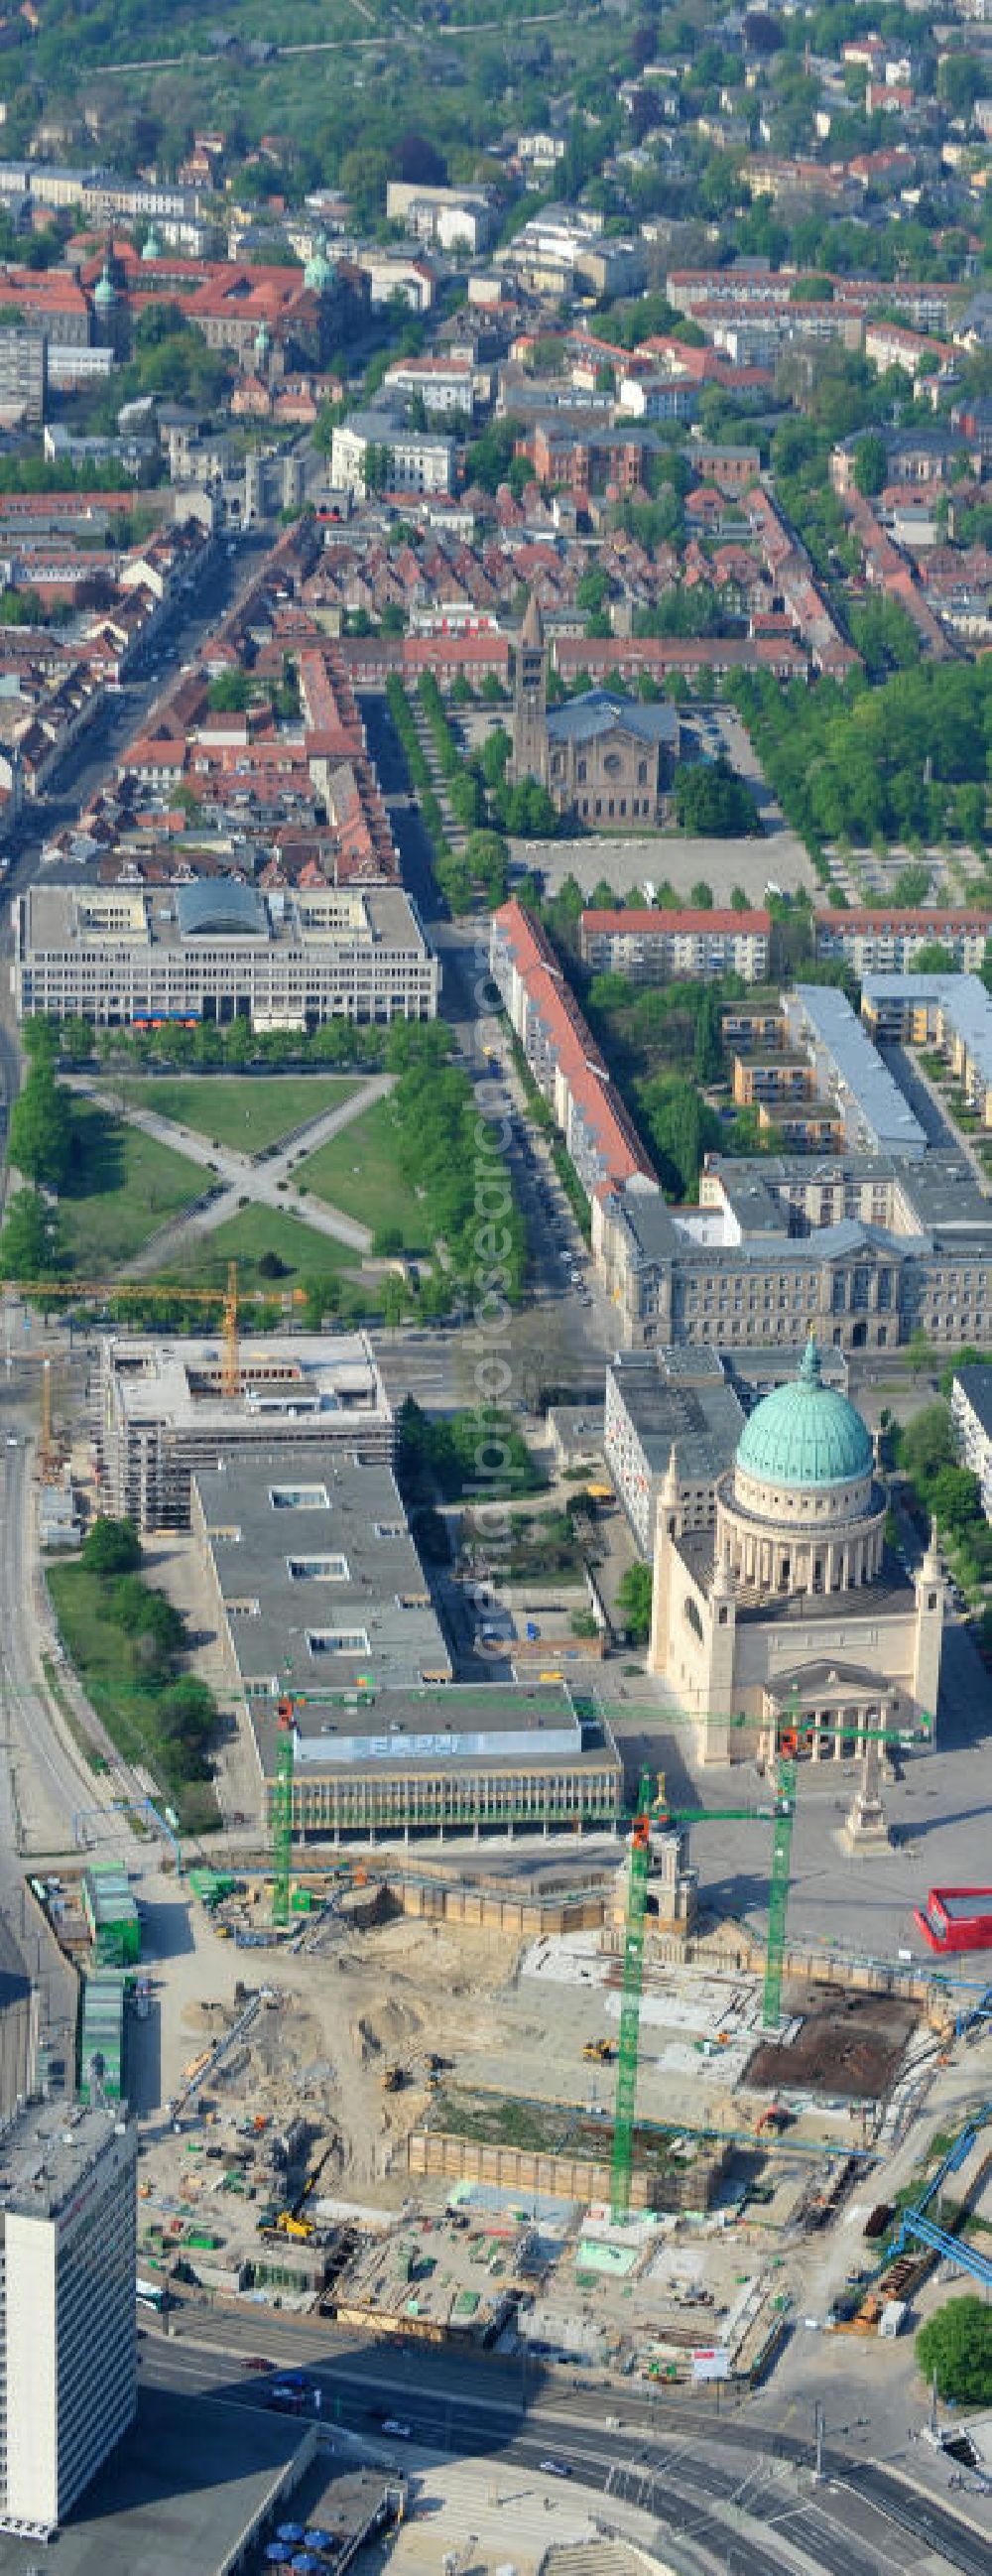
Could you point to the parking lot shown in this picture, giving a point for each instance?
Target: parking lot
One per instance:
(627, 864)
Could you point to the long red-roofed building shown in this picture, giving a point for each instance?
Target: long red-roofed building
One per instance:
(564, 1059)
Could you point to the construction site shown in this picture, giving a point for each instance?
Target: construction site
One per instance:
(446, 2099)
(537, 2047)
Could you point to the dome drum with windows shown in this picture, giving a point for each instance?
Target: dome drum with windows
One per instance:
(800, 1511)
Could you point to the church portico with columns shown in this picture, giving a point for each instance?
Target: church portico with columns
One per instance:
(790, 1609)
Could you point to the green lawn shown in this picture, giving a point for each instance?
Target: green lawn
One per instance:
(307, 1256)
(98, 1651)
(246, 1111)
(247, 1237)
(122, 1187)
(357, 1173)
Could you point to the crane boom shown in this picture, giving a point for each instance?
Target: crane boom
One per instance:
(282, 1815)
(778, 1888)
(67, 1291)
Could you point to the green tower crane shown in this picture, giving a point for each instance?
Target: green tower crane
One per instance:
(282, 1814)
(780, 1810)
(630, 2006)
(778, 1887)
(625, 2103)
(788, 1745)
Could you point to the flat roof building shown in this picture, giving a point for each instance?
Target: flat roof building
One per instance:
(163, 1413)
(877, 1117)
(68, 2352)
(952, 1012)
(323, 1601)
(218, 950)
(672, 1422)
(317, 1579)
(458, 1757)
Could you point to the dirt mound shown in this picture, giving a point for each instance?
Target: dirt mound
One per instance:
(849, 2044)
(387, 2025)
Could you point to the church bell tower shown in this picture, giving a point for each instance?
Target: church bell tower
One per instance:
(530, 698)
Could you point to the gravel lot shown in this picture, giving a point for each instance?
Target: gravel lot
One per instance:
(628, 863)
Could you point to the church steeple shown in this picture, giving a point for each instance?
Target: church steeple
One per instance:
(532, 630)
(530, 697)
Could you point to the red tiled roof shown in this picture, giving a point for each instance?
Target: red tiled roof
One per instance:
(653, 919)
(577, 1056)
(885, 918)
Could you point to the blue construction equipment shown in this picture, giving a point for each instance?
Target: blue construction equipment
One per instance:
(976, 2015)
(952, 2249)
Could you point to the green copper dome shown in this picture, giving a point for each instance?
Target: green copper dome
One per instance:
(153, 246)
(805, 1434)
(105, 292)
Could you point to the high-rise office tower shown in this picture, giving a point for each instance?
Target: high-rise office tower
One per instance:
(68, 2357)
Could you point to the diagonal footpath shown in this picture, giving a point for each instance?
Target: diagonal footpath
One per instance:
(265, 1184)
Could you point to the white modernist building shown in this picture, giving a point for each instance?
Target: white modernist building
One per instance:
(68, 2353)
(218, 950)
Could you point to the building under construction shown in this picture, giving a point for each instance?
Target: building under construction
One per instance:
(169, 1407)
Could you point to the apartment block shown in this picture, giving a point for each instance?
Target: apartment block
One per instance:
(774, 1081)
(849, 1071)
(23, 372)
(750, 1027)
(950, 1012)
(888, 942)
(653, 946)
(971, 1414)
